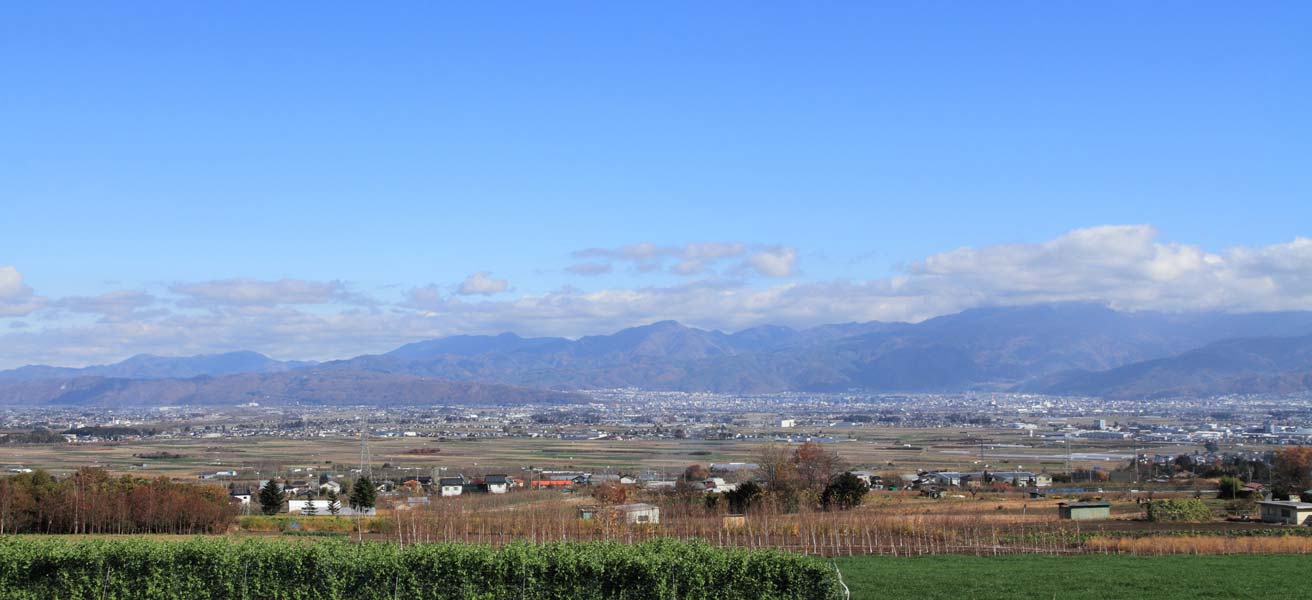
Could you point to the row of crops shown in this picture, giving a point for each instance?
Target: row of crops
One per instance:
(33, 567)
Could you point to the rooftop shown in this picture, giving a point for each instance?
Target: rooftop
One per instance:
(1288, 504)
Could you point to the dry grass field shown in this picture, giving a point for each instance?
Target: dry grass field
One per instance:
(905, 450)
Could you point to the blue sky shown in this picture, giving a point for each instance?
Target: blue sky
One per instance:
(385, 158)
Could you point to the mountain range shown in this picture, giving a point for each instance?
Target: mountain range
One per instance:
(1073, 349)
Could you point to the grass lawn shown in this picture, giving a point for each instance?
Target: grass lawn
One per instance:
(1100, 577)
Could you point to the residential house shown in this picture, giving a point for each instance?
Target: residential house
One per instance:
(497, 484)
(875, 482)
(451, 486)
(1022, 478)
(733, 467)
(717, 485)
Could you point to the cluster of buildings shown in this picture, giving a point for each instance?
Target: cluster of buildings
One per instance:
(1021, 479)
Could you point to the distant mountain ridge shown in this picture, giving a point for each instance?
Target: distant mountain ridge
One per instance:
(149, 366)
(986, 348)
(1237, 366)
(288, 387)
(1058, 349)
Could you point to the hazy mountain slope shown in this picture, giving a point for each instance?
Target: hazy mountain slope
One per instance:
(986, 348)
(301, 387)
(471, 345)
(147, 366)
(1062, 348)
(1249, 365)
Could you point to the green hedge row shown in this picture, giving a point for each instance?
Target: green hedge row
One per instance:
(204, 568)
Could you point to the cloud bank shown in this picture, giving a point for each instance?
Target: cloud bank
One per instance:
(690, 259)
(727, 286)
(16, 298)
(482, 284)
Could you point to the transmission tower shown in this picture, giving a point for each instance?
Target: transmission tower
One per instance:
(365, 470)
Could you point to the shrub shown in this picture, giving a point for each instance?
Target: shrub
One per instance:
(743, 497)
(1229, 487)
(1179, 511)
(846, 491)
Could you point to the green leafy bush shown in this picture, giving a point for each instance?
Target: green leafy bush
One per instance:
(1179, 511)
(210, 568)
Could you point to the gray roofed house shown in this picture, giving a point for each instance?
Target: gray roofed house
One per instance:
(497, 484)
(451, 486)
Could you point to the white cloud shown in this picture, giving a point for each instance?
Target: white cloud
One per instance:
(776, 261)
(482, 284)
(252, 292)
(16, 298)
(689, 259)
(589, 269)
(115, 304)
(1126, 267)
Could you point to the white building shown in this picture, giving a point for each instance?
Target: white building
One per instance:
(639, 513)
(299, 506)
(787, 423)
(497, 484)
(451, 486)
(718, 485)
(629, 513)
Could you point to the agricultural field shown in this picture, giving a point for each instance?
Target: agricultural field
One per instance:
(884, 449)
(1086, 577)
(37, 568)
(895, 524)
(171, 567)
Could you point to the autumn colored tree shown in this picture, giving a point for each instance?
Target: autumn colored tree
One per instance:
(815, 465)
(1293, 468)
(695, 473)
(92, 501)
(610, 493)
(779, 474)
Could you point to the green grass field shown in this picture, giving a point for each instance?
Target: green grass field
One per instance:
(1092, 577)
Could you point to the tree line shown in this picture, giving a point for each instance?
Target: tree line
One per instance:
(791, 477)
(91, 500)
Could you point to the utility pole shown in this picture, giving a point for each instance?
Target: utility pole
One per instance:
(1135, 441)
(1068, 459)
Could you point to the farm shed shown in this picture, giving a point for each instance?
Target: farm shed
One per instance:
(1293, 513)
(1083, 511)
(629, 513)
